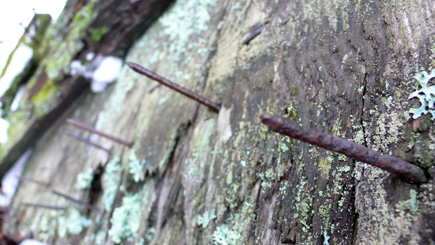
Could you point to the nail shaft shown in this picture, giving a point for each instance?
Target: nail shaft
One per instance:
(95, 131)
(353, 150)
(72, 199)
(254, 34)
(38, 182)
(37, 205)
(77, 137)
(174, 86)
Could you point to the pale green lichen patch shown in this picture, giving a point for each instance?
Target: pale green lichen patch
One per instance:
(135, 166)
(84, 179)
(223, 235)
(99, 237)
(111, 180)
(303, 203)
(48, 224)
(426, 95)
(325, 166)
(206, 217)
(126, 219)
(411, 204)
(76, 222)
(59, 223)
(186, 19)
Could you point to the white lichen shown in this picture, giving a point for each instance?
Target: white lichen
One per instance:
(426, 95)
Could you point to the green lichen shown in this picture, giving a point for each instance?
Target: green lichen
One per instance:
(98, 33)
(185, 20)
(411, 204)
(99, 238)
(284, 144)
(267, 179)
(360, 90)
(126, 219)
(303, 203)
(48, 224)
(111, 180)
(135, 166)
(76, 222)
(223, 235)
(58, 62)
(325, 166)
(84, 179)
(205, 218)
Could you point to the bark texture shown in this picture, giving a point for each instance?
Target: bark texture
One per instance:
(345, 68)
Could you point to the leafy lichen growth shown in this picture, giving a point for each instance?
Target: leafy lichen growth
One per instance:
(135, 166)
(84, 179)
(75, 222)
(426, 95)
(126, 219)
(223, 235)
(186, 19)
(111, 180)
(204, 220)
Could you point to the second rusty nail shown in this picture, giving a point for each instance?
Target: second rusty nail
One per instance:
(38, 205)
(95, 131)
(72, 199)
(254, 34)
(351, 149)
(41, 183)
(77, 137)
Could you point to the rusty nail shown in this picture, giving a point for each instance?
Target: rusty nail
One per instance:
(41, 183)
(72, 199)
(95, 131)
(37, 205)
(254, 34)
(77, 137)
(174, 86)
(353, 150)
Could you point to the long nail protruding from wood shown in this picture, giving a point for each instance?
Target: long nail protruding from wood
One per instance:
(38, 182)
(254, 34)
(77, 137)
(72, 199)
(353, 150)
(37, 205)
(137, 68)
(95, 131)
